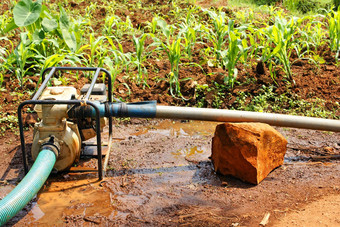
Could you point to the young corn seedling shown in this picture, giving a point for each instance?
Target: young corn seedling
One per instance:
(245, 17)
(109, 25)
(152, 26)
(281, 35)
(139, 57)
(218, 34)
(189, 40)
(116, 64)
(174, 54)
(312, 35)
(97, 53)
(334, 32)
(115, 26)
(173, 51)
(237, 49)
(189, 35)
(117, 61)
(118, 53)
(5, 62)
(22, 55)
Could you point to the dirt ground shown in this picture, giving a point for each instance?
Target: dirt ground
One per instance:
(159, 173)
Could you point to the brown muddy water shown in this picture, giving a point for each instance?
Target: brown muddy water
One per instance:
(159, 173)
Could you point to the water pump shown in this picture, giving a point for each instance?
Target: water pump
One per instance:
(68, 133)
(61, 129)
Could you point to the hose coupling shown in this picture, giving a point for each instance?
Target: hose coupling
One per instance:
(52, 144)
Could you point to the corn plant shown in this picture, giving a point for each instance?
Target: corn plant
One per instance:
(245, 17)
(115, 26)
(22, 57)
(6, 59)
(313, 34)
(140, 56)
(109, 24)
(97, 53)
(116, 63)
(152, 26)
(90, 10)
(172, 48)
(174, 54)
(220, 30)
(51, 61)
(3, 60)
(334, 32)
(189, 30)
(5, 21)
(189, 35)
(281, 35)
(222, 27)
(189, 40)
(236, 50)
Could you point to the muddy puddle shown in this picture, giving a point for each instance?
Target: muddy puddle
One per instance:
(70, 197)
(159, 173)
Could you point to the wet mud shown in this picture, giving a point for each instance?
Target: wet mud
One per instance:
(159, 173)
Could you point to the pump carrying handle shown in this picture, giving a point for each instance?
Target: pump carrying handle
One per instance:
(35, 100)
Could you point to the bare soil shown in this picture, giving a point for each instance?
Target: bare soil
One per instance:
(159, 173)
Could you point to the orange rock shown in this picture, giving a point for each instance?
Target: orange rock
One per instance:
(248, 151)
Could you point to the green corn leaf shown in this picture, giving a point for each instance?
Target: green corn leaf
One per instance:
(53, 60)
(277, 49)
(26, 12)
(276, 34)
(164, 27)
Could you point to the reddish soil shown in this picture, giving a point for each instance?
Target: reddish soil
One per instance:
(159, 173)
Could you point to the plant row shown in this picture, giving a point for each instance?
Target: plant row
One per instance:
(186, 36)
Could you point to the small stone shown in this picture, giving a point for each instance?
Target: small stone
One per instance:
(248, 151)
(29, 118)
(329, 150)
(260, 69)
(224, 184)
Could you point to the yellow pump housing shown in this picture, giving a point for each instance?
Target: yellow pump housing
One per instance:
(54, 123)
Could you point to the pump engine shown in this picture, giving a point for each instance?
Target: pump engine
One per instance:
(68, 133)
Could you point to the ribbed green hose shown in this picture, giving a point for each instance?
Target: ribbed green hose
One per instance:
(28, 187)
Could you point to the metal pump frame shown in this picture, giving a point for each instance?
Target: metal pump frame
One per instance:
(84, 101)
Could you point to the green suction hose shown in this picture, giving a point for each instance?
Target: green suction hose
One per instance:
(28, 187)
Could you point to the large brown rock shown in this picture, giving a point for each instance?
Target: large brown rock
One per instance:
(248, 151)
